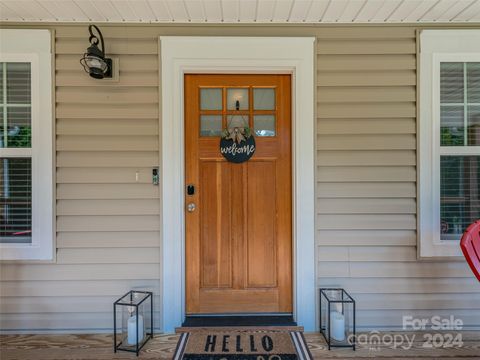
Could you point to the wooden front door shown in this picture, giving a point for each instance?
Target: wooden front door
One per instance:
(238, 216)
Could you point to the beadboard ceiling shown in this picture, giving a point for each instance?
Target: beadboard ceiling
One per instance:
(241, 11)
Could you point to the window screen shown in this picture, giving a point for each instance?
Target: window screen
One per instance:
(459, 142)
(16, 169)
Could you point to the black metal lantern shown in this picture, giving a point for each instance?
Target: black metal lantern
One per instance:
(132, 321)
(94, 61)
(337, 318)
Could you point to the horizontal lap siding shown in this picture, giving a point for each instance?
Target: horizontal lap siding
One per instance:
(107, 141)
(366, 183)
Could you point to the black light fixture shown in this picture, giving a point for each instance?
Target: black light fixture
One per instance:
(94, 61)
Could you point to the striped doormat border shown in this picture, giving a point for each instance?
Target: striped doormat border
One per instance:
(299, 345)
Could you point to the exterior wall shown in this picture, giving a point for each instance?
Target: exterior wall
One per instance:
(108, 238)
(366, 195)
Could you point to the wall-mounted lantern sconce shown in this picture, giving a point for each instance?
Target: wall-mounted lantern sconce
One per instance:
(94, 61)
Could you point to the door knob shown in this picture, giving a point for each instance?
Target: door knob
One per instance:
(191, 207)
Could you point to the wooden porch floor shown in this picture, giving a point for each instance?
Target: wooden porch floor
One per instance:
(99, 347)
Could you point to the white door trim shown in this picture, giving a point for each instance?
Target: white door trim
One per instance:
(180, 55)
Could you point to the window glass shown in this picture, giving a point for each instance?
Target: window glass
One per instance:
(1, 83)
(18, 127)
(210, 125)
(459, 194)
(263, 99)
(459, 104)
(15, 172)
(264, 125)
(459, 127)
(451, 83)
(210, 99)
(18, 83)
(15, 200)
(237, 99)
(473, 125)
(452, 125)
(15, 105)
(240, 121)
(473, 82)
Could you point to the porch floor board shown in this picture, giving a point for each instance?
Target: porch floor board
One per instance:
(99, 347)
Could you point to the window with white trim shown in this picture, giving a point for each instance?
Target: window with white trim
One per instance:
(449, 141)
(26, 143)
(16, 169)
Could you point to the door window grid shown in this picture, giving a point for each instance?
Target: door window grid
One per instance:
(250, 113)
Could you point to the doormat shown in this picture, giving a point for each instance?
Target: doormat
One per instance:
(242, 345)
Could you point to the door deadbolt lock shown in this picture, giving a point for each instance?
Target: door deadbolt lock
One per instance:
(191, 207)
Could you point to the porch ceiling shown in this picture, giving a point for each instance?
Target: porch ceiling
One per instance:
(242, 11)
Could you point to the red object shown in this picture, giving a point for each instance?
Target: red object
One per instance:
(22, 233)
(470, 245)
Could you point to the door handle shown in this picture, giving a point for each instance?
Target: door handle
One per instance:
(191, 207)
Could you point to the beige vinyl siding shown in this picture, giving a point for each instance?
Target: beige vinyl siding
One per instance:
(108, 223)
(366, 184)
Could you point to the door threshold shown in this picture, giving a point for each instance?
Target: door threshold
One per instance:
(204, 321)
(183, 329)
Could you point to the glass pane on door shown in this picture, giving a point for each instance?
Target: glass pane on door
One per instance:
(210, 125)
(264, 125)
(263, 99)
(237, 99)
(240, 121)
(210, 99)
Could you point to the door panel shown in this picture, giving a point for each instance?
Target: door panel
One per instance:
(238, 238)
(261, 214)
(214, 207)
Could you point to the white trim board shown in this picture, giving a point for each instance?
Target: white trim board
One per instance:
(292, 55)
(437, 46)
(35, 47)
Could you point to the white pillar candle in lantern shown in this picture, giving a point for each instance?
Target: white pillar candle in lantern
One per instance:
(132, 330)
(337, 320)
